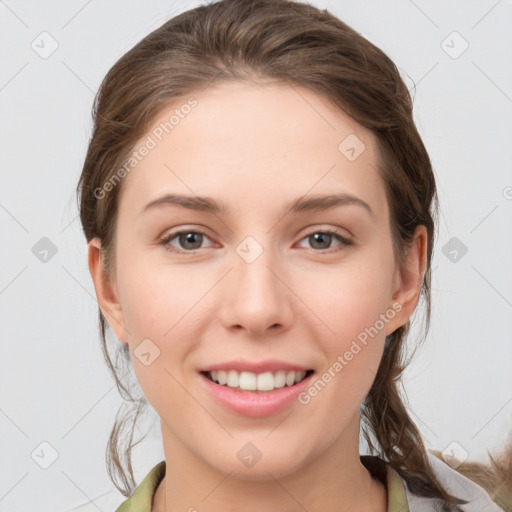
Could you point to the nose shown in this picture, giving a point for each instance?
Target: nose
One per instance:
(255, 297)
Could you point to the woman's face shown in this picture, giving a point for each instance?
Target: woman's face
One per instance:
(257, 282)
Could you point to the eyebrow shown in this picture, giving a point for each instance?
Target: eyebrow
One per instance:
(302, 204)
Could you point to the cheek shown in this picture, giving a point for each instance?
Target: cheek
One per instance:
(356, 307)
(352, 345)
(161, 320)
(155, 299)
(355, 298)
(156, 309)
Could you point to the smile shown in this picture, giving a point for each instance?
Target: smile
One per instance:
(249, 381)
(255, 394)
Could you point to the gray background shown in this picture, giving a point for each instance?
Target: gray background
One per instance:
(55, 385)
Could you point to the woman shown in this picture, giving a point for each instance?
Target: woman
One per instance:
(260, 215)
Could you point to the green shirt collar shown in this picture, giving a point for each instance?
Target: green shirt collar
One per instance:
(142, 498)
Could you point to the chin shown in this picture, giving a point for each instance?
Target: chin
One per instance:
(275, 463)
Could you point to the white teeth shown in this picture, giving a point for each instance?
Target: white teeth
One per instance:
(249, 381)
(280, 379)
(265, 381)
(233, 379)
(299, 376)
(290, 378)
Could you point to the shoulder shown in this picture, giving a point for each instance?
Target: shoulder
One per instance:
(140, 500)
(456, 484)
(142, 497)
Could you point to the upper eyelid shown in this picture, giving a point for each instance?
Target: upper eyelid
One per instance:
(205, 231)
(174, 233)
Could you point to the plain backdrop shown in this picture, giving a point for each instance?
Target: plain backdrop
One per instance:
(58, 402)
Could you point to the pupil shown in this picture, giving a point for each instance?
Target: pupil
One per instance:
(189, 238)
(323, 237)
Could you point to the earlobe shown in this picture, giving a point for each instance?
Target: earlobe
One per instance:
(410, 277)
(106, 291)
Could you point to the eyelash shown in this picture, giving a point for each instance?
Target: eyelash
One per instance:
(165, 241)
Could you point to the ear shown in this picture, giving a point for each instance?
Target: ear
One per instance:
(106, 291)
(408, 280)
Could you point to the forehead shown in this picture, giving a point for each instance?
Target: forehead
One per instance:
(254, 146)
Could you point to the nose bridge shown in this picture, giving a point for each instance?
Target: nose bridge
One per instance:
(259, 298)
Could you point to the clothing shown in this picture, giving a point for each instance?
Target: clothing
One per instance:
(399, 499)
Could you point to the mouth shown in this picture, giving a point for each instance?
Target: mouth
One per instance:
(250, 382)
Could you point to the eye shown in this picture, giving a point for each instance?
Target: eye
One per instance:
(189, 240)
(321, 240)
(192, 240)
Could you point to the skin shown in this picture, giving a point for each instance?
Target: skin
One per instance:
(256, 147)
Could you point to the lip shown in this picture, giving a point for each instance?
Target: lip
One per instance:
(269, 365)
(254, 403)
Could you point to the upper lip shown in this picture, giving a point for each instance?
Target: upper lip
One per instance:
(269, 365)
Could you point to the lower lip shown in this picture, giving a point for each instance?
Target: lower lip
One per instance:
(255, 404)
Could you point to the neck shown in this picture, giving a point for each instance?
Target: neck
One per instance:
(336, 480)
(373, 497)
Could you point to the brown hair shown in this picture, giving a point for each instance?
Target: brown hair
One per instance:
(302, 46)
